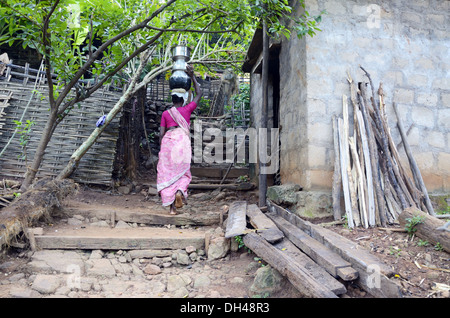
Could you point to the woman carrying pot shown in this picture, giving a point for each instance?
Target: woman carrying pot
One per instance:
(174, 164)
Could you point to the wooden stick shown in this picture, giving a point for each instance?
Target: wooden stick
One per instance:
(414, 168)
(362, 200)
(373, 158)
(351, 184)
(368, 166)
(337, 179)
(345, 187)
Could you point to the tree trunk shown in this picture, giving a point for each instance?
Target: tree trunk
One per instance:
(40, 150)
(429, 228)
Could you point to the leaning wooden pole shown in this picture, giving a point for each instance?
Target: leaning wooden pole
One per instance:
(87, 144)
(415, 169)
(263, 147)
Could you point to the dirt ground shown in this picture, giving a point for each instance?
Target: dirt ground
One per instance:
(422, 271)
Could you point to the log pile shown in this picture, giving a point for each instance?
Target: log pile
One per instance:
(376, 185)
(316, 261)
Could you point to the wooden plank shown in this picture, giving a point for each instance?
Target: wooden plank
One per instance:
(120, 239)
(373, 273)
(264, 225)
(244, 186)
(237, 221)
(322, 255)
(337, 179)
(209, 218)
(311, 267)
(345, 182)
(304, 282)
(219, 172)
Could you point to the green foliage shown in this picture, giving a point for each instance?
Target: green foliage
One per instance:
(24, 130)
(203, 107)
(411, 223)
(242, 99)
(280, 20)
(240, 241)
(422, 243)
(439, 247)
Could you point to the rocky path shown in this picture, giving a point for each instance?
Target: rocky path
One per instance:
(186, 272)
(86, 274)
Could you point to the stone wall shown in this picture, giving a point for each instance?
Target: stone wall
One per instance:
(403, 44)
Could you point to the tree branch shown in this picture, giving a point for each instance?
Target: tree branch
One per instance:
(104, 46)
(46, 42)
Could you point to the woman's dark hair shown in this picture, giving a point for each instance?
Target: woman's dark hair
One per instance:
(177, 99)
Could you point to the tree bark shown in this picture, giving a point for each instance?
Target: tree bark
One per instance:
(430, 228)
(40, 150)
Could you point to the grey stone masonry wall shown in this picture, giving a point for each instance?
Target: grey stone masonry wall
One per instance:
(403, 44)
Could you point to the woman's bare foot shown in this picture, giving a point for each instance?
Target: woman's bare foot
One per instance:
(173, 210)
(178, 199)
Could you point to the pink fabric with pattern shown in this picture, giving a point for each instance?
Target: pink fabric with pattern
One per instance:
(174, 164)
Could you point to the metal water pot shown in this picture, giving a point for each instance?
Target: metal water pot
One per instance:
(179, 79)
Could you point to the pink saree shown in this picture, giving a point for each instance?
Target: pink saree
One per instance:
(174, 164)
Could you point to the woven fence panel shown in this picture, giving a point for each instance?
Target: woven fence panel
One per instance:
(96, 165)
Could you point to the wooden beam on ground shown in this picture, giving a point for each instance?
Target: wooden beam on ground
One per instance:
(304, 282)
(265, 226)
(329, 260)
(237, 221)
(120, 239)
(429, 227)
(218, 172)
(244, 186)
(209, 218)
(373, 273)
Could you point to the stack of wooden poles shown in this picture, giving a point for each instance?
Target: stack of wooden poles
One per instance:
(376, 185)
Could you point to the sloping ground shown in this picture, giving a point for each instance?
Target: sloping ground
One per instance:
(418, 269)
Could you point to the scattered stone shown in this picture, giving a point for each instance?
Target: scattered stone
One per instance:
(74, 222)
(78, 217)
(101, 267)
(190, 249)
(122, 225)
(96, 254)
(23, 292)
(181, 293)
(100, 224)
(202, 281)
(152, 269)
(122, 259)
(175, 282)
(283, 194)
(124, 189)
(218, 248)
(193, 256)
(183, 258)
(267, 281)
(46, 284)
(237, 280)
(152, 191)
(56, 261)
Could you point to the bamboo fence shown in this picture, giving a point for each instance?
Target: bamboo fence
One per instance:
(377, 186)
(96, 166)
